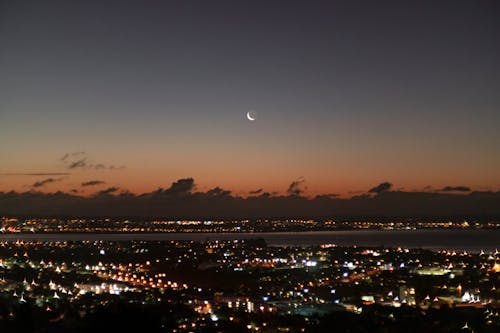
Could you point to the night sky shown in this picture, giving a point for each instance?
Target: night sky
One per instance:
(138, 94)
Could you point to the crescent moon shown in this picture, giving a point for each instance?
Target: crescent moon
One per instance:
(249, 116)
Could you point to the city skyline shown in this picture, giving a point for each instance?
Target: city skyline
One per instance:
(346, 97)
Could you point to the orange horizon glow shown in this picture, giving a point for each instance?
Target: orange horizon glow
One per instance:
(128, 181)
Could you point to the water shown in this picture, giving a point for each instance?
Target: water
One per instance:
(459, 240)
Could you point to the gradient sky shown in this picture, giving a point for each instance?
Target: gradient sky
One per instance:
(347, 94)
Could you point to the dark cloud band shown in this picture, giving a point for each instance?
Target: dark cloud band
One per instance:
(182, 200)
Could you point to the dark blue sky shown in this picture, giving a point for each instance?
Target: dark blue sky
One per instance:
(347, 94)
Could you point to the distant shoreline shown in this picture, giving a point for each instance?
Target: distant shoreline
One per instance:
(473, 240)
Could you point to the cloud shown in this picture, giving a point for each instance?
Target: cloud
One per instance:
(44, 182)
(112, 167)
(93, 183)
(80, 160)
(382, 187)
(72, 155)
(296, 188)
(109, 190)
(455, 189)
(218, 192)
(181, 187)
(101, 166)
(260, 190)
(81, 163)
